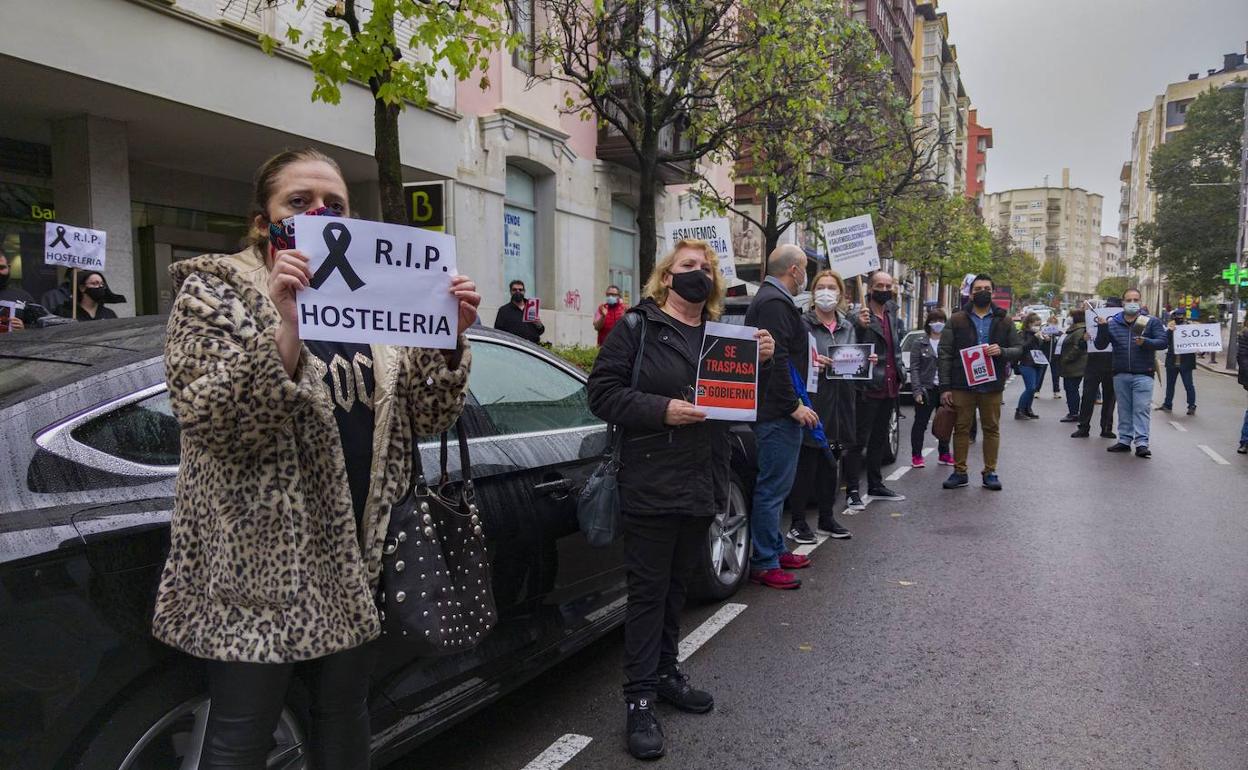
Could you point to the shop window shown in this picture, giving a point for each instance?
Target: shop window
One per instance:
(622, 270)
(520, 229)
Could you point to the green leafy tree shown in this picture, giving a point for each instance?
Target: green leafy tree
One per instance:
(1053, 272)
(937, 235)
(1113, 286)
(1012, 266)
(1195, 175)
(395, 47)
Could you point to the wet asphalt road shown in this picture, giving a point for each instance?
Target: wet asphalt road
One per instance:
(1092, 615)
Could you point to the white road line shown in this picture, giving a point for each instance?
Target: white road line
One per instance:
(928, 450)
(809, 548)
(711, 626)
(1217, 458)
(559, 752)
(1178, 427)
(897, 474)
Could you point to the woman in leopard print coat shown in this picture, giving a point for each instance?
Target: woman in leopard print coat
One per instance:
(273, 559)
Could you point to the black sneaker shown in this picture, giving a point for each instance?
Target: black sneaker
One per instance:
(1164, 408)
(1243, 448)
(1108, 434)
(1142, 451)
(853, 501)
(645, 734)
(1191, 410)
(1070, 418)
(884, 493)
(832, 528)
(1119, 448)
(800, 533)
(1032, 415)
(674, 689)
(1081, 433)
(1019, 414)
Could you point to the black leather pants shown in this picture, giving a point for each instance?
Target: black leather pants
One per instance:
(247, 700)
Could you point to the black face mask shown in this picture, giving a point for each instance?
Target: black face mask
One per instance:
(982, 298)
(881, 296)
(517, 296)
(98, 293)
(4, 280)
(693, 286)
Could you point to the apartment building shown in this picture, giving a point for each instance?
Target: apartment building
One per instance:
(1153, 127)
(1112, 263)
(979, 142)
(941, 104)
(892, 23)
(1054, 222)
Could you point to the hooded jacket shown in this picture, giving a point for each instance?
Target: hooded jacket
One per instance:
(266, 562)
(1074, 356)
(1130, 358)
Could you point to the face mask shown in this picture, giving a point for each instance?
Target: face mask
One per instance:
(97, 293)
(937, 326)
(1034, 329)
(4, 280)
(826, 299)
(982, 298)
(1131, 308)
(694, 286)
(613, 300)
(881, 296)
(517, 297)
(282, 234)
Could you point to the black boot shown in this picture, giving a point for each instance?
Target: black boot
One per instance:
(674, 689)
(1019, 414)
(645, 734)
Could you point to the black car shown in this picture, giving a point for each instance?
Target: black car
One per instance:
(90, 455)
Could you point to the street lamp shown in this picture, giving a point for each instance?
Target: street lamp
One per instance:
(1241, 238)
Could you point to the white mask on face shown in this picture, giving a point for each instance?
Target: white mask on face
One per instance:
(937, 326)
(826, 299)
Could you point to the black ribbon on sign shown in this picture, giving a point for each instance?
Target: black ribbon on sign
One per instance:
(60, 238)
(337, 239)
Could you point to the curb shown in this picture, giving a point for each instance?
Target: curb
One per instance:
(1213, 370)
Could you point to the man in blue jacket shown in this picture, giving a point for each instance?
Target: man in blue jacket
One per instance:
(1135, 339)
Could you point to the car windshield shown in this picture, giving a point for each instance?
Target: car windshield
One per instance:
(17, 374)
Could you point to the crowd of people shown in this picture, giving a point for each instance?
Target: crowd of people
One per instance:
(88, 303)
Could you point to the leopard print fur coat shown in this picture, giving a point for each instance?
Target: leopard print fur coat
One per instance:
(266, 563)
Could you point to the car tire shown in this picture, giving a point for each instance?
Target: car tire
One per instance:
(156, 725)
(894, 437)
(725, 562)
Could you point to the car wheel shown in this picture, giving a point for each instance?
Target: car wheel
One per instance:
(725, 561)
(894, 438)
(162, 725)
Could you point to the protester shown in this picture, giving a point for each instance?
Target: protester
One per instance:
(1031, 372)
(510, 317)
(1098, 378)
(281, 505)
(53, 299)
(1134, 338)
(925, 385)
(977, 323)
(1241, 359)
(608, 313)
(878, 326)
(781, 415)
(93, 293)
(1074, 357)
(1052, 338)
(834, 402)
(11, 292)
(673, 475)
(1178, 366)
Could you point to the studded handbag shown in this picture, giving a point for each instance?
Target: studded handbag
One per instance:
(435, 590)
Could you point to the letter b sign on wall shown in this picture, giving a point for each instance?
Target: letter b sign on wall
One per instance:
(425, 205)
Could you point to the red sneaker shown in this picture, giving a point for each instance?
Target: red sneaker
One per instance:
(775, 578)
(791, 560)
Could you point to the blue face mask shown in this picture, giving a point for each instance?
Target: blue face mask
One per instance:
(1131, 308)
(613, 300)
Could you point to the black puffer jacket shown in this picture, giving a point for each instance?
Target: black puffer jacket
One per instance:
(773, 309)
(663, 470)
(835, 400)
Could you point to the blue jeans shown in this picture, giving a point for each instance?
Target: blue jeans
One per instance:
(1073, 386)
(1243, 432)
(1172, 375)
(1032, 379)
(779, 443)
(1135, 406)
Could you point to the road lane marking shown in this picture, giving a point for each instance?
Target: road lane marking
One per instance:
(928, 450)
(1178, 427)
(897, 474)
(809, 548)
(711, 626)
(1217, 458)
(559, 753)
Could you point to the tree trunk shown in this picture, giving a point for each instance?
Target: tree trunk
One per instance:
(771, 230)
(647, 218)
(389, 165)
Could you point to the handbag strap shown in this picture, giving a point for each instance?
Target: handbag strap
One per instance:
(617, 441)
(418, 479)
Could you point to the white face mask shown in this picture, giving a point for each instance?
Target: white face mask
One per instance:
(826, 299)
(937, 326)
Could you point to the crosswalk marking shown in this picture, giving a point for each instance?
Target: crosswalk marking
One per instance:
(559, 753)
(711, 626)
(1217, 458)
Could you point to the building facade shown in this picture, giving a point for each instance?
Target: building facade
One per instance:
(941, 104)
(1062, 223)
(979, 142)
(892, 22)
(1111, 257)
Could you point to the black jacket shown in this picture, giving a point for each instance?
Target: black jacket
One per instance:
(663, 470)
(835, 400)
(923, 368)
(873, 333)
(959, 334)
(1241, 356)
(511, 319)
(772, 309)
(1031, 341)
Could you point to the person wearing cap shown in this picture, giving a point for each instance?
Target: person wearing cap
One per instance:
(1178, 366)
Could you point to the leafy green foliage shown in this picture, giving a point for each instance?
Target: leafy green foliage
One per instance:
(1053, 271)
(1113, 286)
(938, 235)
(579, 356)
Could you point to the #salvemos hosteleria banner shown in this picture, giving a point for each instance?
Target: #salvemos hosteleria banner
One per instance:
(376, 283)
(727, 387)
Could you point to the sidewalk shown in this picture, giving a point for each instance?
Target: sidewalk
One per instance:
(1228, 351)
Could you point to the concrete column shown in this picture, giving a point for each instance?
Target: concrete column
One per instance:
(91, 188)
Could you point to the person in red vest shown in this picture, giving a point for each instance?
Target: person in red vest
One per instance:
(608, 313)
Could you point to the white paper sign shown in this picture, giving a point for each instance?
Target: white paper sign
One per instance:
(1090, 322)
(852, 249)
(376, 283)
(716, 232)
(73, 246)
(1038, 358)
(1197, 338)
(727, 385)
(1061, 342)
(812, 372)
(9, 309)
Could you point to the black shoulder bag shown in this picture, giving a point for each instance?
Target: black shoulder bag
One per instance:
(598, 507)
(435, 590)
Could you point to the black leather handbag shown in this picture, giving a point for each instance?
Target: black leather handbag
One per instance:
(435, 591)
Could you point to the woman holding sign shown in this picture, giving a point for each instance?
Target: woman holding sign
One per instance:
(1031, 366)
(674, 470)
(286, 484)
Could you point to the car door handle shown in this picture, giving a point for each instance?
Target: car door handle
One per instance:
(555, 487)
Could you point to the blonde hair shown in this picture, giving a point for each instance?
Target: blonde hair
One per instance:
(656, 291)
(840, 284)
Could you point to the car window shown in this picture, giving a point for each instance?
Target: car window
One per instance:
(144, 432)
(523, 393)
(17, 374)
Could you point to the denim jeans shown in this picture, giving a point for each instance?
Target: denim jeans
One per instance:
(1031, 383)
(1243, 432)
(779, 443)
(1135, 405)
(1072, 386)
(1173, 374)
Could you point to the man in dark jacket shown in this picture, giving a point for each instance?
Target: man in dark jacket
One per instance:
(877, 326)
(12, 292)
(1241, 358)
(1135, 338)
(510, 317)
(781, 415)
(1178, 366)
(1098, 383)
(978, 323)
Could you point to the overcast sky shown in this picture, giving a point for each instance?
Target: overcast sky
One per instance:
(1060, 81)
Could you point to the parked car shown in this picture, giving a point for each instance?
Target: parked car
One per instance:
(89, 460)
